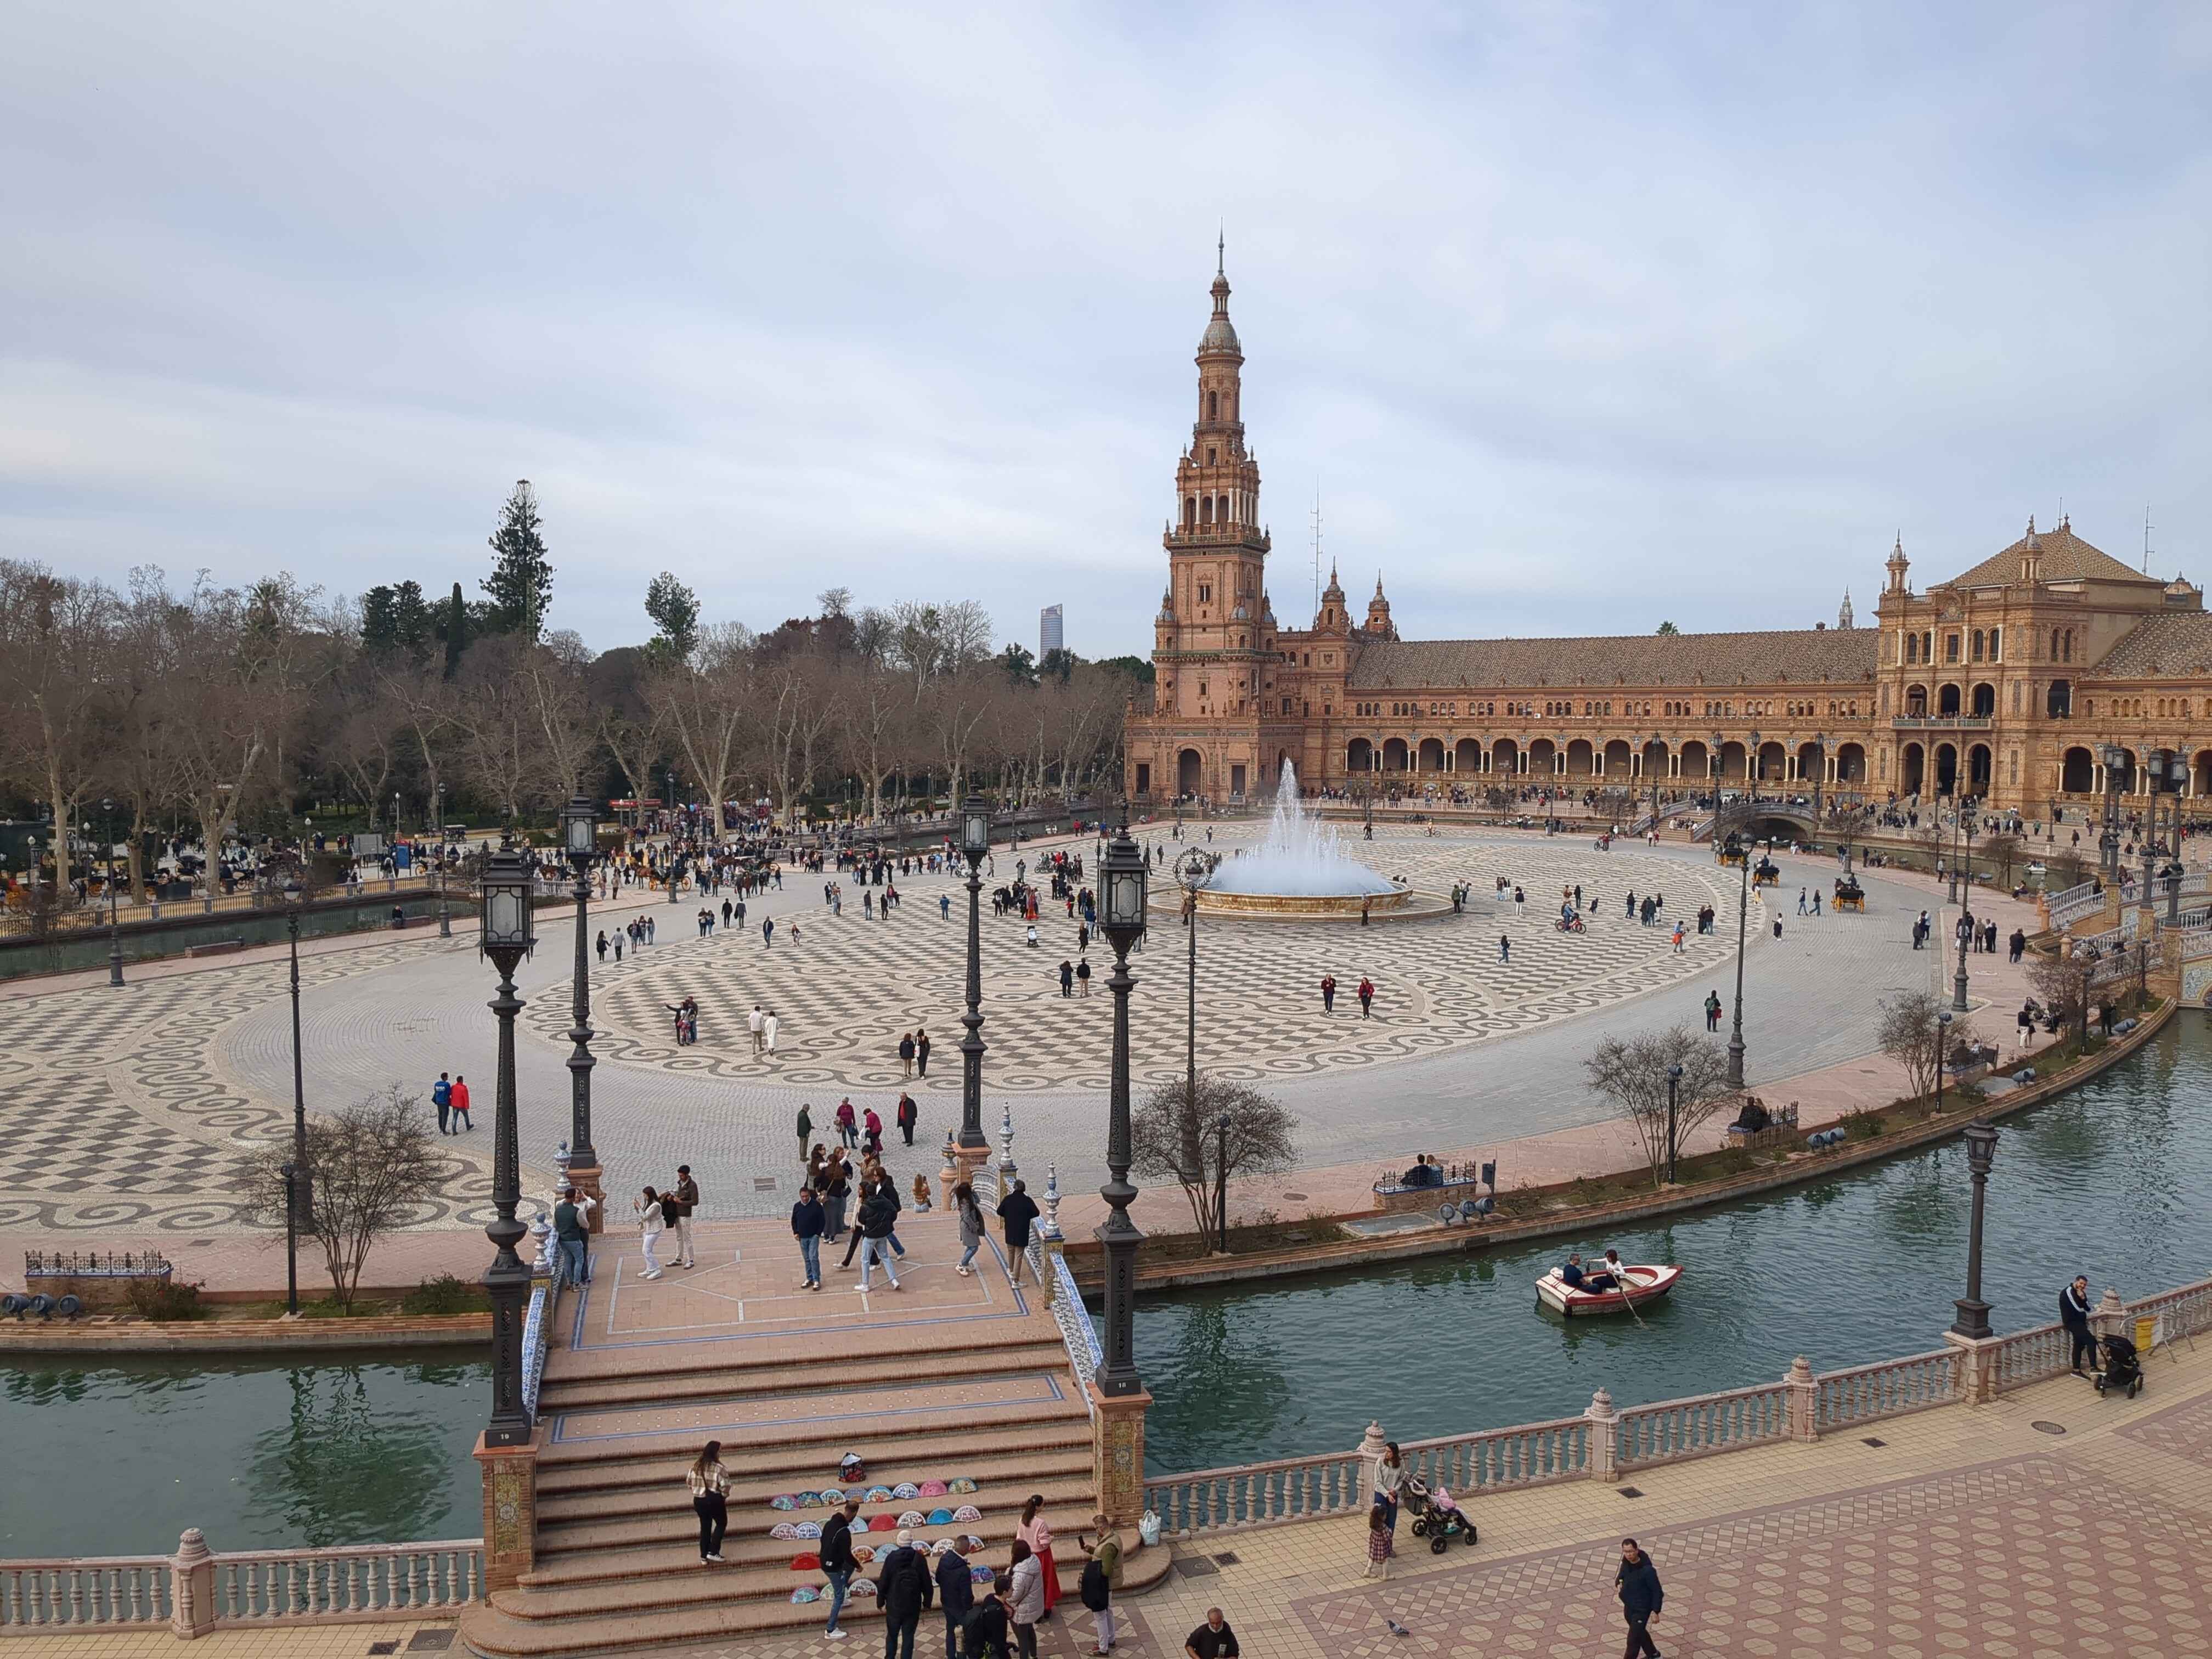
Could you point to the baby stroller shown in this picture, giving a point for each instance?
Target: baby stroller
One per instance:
(2123, 1368)
(1437, 1518)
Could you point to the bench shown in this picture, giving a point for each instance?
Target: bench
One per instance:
(220, 947)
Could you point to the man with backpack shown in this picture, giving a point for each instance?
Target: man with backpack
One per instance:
(441, 1096)
(1099, 1574)
(903, 1591)
(837, 1562)
(956, 1592)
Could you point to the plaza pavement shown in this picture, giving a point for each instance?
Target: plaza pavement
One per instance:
(135, 1100)
(2053, 1524)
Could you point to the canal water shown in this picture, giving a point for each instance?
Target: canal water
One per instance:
(116, 1459)
(2108, 1181)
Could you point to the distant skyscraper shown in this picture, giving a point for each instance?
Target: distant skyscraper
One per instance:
(1049, 634)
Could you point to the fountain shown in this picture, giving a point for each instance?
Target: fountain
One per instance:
(1299, 869)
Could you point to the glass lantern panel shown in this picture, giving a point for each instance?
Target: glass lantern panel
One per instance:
(503, 910)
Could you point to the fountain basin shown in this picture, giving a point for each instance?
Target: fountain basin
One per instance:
(1398, 904)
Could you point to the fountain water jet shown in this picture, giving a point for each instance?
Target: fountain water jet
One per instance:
(1298, 869)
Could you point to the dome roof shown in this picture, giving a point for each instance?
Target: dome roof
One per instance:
(1220, 336)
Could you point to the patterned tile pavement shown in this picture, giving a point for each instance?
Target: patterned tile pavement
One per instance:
(139, 1099)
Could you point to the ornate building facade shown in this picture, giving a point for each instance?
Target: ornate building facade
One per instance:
(2010, 682)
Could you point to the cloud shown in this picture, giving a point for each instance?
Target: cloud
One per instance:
(1577, 317)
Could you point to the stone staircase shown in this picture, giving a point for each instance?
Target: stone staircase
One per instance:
(617, 1566)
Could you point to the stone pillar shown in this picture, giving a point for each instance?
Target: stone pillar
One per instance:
(585, 1179)
(192, 1575)
(1117, 1454)
(1977, 1367)
(2111, 1317)
(1603, 1447)
(954, 1172)
(1373, 1446)
(1804, 1400)
(510, 1509)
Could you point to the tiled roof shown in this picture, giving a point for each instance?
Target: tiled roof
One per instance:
(2066, 558)
(1797, 655)
(2180, 643)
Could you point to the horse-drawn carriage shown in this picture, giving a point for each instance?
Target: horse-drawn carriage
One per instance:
(1766, 873)
(1850, 896)
(1731, 851)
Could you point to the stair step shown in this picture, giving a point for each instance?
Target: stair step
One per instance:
(694, 1586)
(489, 1630)
(810, 1462)
(673, 1547)
(788, 1377)
(622, 1495)
(1067, 1495)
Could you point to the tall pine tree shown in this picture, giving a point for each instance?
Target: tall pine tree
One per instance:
(456, 630)
(520, 584)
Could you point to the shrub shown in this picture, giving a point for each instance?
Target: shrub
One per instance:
(1861, 1126)
(164, 1299)
(443, 1295)
(1732, 1161)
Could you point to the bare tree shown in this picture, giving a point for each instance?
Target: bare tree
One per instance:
(368, 1168)
(706, 706)
(496, 715)
(1633, 1073)
(2061, 983)
(56, 638)
(1912, 1032)
(566, 736)
(1238, 1131)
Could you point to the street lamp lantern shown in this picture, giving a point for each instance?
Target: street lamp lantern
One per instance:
(1122, 895)
(580, 827)
(505, 937)
(1973, 1319)
(976, 827)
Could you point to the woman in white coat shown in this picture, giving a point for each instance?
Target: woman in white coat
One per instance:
(652, 1219)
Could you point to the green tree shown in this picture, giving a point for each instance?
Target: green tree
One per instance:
(1058, 664)
(1019, 667)
(1669, 628)
(396, 617)
(1134, 668)
(521, 586)
(453, 629)
(674, 609)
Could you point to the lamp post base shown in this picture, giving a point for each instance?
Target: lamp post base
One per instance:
(1117, 1454)
(1973, 1319)
(510, 1510)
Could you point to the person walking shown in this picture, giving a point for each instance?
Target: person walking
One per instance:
(903, 1591)
(2073, 1314)
(905, 1115)
(807, 1224)
(837, 1562)
(1082, 976)
(805, 1131)
(1712, 1010)
(873, 1136)
(877, 1212)
(652, 1220)
(602, 947)
(441, 1096)
(461, 1120)
(848, 1125)
(835, 1185)
(905, 1053)
(768, 933)
(685, 1198)
(970, 1215)
(1504, 948)
(1025, 1599)
(1101, 1576)
(1366, 997)
(1641, 1598)
(1328, 993)
(1017, 1209)
(1035, 1531)
(1214, 1639)
(768, 1031)
(921, 1052)
(710, 1485)
(955, 1591)
(1380, 1543)
(572, 1234)
(754, 1022)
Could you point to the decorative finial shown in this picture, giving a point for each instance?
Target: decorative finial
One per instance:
(1221, 252)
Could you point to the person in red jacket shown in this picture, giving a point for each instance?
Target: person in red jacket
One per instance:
(1366, 997)
(461, 1103)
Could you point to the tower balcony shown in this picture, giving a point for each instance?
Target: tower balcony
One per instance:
(1193, 537)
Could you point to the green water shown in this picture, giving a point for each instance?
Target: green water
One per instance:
(118, 1459)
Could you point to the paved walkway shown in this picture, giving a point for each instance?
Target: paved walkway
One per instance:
(139, 1100)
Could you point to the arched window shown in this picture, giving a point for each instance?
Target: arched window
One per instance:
(1221, 512)
(2054, 645)
(2069, 644)
(1997, 645)
(1977, 644)
(1213, 405)
(1190, 509)
(1208, 513)
(1912, 647)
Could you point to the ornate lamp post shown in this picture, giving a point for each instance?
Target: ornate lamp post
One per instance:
(1742, 920)
(2177, 774)
(1121, 919)
(2109, 842)
(1973, 1319)
(675, 823)
(1820, 776)
(299, 1185)
(1193, 871)
(445, 917)
(1943, 1048)
(580, 840)
(974, 846)
(115, 931)
(505, 937)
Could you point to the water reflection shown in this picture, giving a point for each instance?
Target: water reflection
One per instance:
(1864, 1266)
(339, 1470)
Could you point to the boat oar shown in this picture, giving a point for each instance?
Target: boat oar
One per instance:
(1628, 1301)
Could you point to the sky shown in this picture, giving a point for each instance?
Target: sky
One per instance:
(1574, 317)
